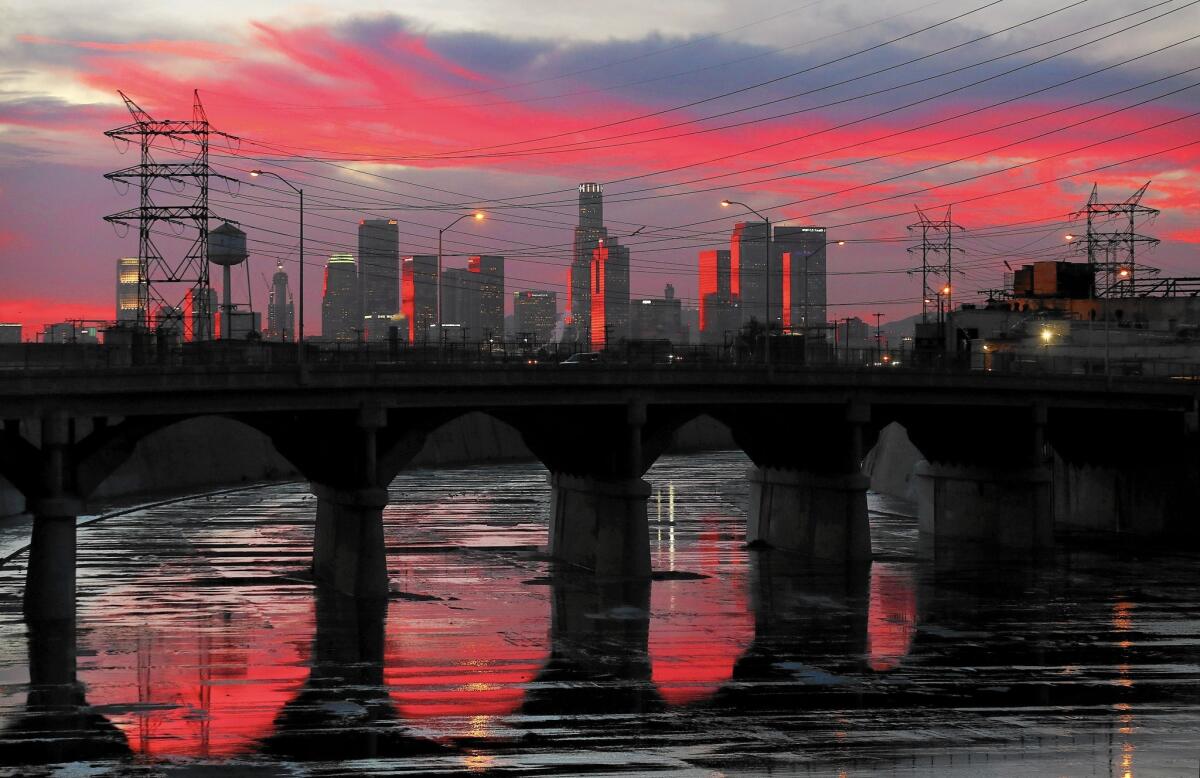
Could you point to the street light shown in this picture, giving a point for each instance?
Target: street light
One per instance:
(477, 216)
(767, 285)
(300, 192)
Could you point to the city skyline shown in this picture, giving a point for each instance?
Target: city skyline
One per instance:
(887, 165)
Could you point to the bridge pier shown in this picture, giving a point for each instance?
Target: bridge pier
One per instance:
(994, 508)
(349, 554)
(822, 515)
(600, 525)
(50, 575)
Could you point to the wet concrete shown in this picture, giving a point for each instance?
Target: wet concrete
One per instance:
(201, 647)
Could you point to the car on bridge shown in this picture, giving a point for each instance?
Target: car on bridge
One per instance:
(583, 358)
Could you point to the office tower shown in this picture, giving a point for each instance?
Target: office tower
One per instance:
(720, 314)
(281, 317)
(201, 318)
(535, 313)
(855, 334)
(655, 318)
(10, 333)
(341, 317)
(131, 295)
(461, 294)
(418, 280)
(609, 294)
(589, 235)
(748, 270)
(489, 272)
(800, 252)
(379, 266)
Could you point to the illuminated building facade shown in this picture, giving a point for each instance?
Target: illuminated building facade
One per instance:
(535, 312)
(589, 235)
(379, 266)
(418, 294)
(341, 318)
(201, 318)
(489, 280)
(131, 294)
(720, 313)
(800, 253)
(748, 270)
(609, 294)
(281, 317)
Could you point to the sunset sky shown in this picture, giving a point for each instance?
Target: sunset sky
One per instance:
(827, 112)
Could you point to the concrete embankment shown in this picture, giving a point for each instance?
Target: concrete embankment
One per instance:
(208, 452)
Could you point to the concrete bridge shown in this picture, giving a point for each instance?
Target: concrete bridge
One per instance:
(1127, 445)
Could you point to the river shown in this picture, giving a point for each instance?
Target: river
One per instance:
(200, 644)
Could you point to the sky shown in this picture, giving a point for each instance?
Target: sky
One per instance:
(832, 113)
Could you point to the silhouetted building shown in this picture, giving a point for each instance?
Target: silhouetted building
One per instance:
(609, 294)
(418, 279)
(341, 318)
(379, 266)
(589, 234)
(10, 333)
(281, 316)
(654, 318)
(720, 310)
(461, 302)
(535, 313)
(131, 295)
(748, 270)
(242, 323)
(489, 272)
(800, 253)
(854, 333)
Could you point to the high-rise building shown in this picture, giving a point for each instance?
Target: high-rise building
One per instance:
(655, 318)
(489, 271)
(281, 316)
(589, 235)
(200, 319)
(748, 270)
(801, 255)
(341, 317)
(418, 280)
(461, 302)
(609, 294)
(10, 333)
(131, 295)
(720, 312)
(379, 266)
(535, 313)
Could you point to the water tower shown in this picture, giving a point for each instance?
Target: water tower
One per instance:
(226, 247)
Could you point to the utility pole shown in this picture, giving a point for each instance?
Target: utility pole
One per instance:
(878, 336)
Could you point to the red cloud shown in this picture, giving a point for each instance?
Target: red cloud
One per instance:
(202, 50)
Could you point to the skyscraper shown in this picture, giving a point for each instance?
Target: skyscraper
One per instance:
(609, 294)
(131, 295)
(418, 279)
(281, 317)
(489, 272)
(535, 313)
(589, 233)
(379, 266)
(460, 301)
(801, 256)
(341, 317)
(719, 307)
(202, 318)
(748, 271)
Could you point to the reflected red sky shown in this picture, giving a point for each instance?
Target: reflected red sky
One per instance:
(891, 615)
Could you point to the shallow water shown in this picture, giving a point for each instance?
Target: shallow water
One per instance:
(199, 642)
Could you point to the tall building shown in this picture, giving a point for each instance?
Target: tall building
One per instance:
(589, 235)
(131, 295)
(10, 333)
(720, 312)
(281, 316)
(535, 313)
(379, 266)
(341, 317)
(418, 281)
(748, 270)
(800, 252)
(489, 271)
(658, 318)
(200, 319)
(609, 298)
(461, 302)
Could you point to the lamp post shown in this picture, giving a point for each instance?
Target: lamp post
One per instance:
(767, 284)
(478, 216)
(299, 191)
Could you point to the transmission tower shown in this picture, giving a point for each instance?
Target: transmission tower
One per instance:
(169, 284)
(1114, 252)
(936, 248)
